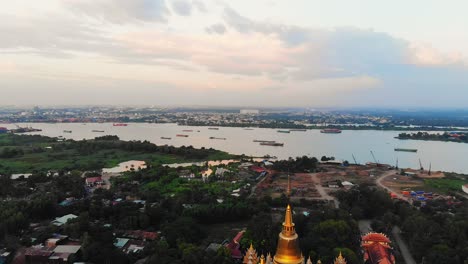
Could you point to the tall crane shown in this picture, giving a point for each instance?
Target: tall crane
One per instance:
(396, 163)
(430, 166)
(355, 162)
(420, 165)
(373, 156)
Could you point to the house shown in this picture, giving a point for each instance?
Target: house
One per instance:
(62, 254)
(234, 246)
(60, 221)
(213, 247)
(221, 171)
(121, 242)
(4, 256)
(94, 181)
(53, 255)
(37, 255)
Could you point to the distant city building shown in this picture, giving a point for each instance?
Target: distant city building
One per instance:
(249, 111)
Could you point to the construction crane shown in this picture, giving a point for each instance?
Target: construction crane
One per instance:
(396, 163)
(355, 162)
(373, 156)
(420, 165)
(430, 167)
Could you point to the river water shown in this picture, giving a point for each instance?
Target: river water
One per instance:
(447, 156)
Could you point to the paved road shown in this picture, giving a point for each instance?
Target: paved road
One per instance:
(402, 245)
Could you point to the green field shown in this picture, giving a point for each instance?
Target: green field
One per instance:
(43, 153)
(449, 184)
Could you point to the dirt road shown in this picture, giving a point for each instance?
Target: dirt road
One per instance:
(382, 177)
(324, 195)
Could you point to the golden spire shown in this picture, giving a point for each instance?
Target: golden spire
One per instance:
(288, 225)
(340, 259)
(319, 262)
(262, 259)
(288, 251)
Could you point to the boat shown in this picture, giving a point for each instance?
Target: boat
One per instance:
(120, 124)
(275, 144)
(284, 131)
(98, 131)
(264, 141)
(213, 128)
(187, 130)
(24, 130)
(330, 131)
(300, 130)
(218, 138)
(67, 131)
(406, 150)
(181, 135)
(165, 138)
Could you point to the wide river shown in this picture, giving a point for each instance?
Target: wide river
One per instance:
(446, 156)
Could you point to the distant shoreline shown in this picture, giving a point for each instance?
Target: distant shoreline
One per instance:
(281, 126)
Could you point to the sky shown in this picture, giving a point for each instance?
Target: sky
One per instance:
(265, 53)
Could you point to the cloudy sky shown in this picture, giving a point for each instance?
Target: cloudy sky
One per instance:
(314, 53)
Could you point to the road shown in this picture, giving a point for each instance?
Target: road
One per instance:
(396, 232)
(322, 192)
(252, 191)
(381, 185)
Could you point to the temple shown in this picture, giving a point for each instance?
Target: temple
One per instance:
(377, 249)
(287, 251)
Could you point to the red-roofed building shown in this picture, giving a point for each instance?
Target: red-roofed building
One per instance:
(257, 169)
(93, 181)
(377, 249)
(234, 246)
(35, 255)
(141, 235)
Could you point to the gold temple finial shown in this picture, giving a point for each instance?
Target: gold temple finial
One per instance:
(340, 259)
(288, 222)
(262, 259)
(319, 262)
(251, 246)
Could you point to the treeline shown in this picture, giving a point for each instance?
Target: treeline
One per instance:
(113, 142)
(436, 233)
(299, 164)
(461, 137)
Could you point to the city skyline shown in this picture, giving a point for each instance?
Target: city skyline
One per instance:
(237, 53)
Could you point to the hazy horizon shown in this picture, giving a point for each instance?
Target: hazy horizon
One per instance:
(246, 54)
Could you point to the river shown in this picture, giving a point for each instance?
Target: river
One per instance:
(446, 156)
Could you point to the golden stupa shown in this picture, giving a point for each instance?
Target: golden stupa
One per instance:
(288, 251)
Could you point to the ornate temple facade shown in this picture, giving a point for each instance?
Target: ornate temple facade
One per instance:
(287, 251)
(377, 249)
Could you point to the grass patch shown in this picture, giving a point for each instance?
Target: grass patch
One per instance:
(446, 185)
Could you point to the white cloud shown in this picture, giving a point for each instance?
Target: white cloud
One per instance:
(120, 12)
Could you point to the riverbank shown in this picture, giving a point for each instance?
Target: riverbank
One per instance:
(458, 136)
(29, 153)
